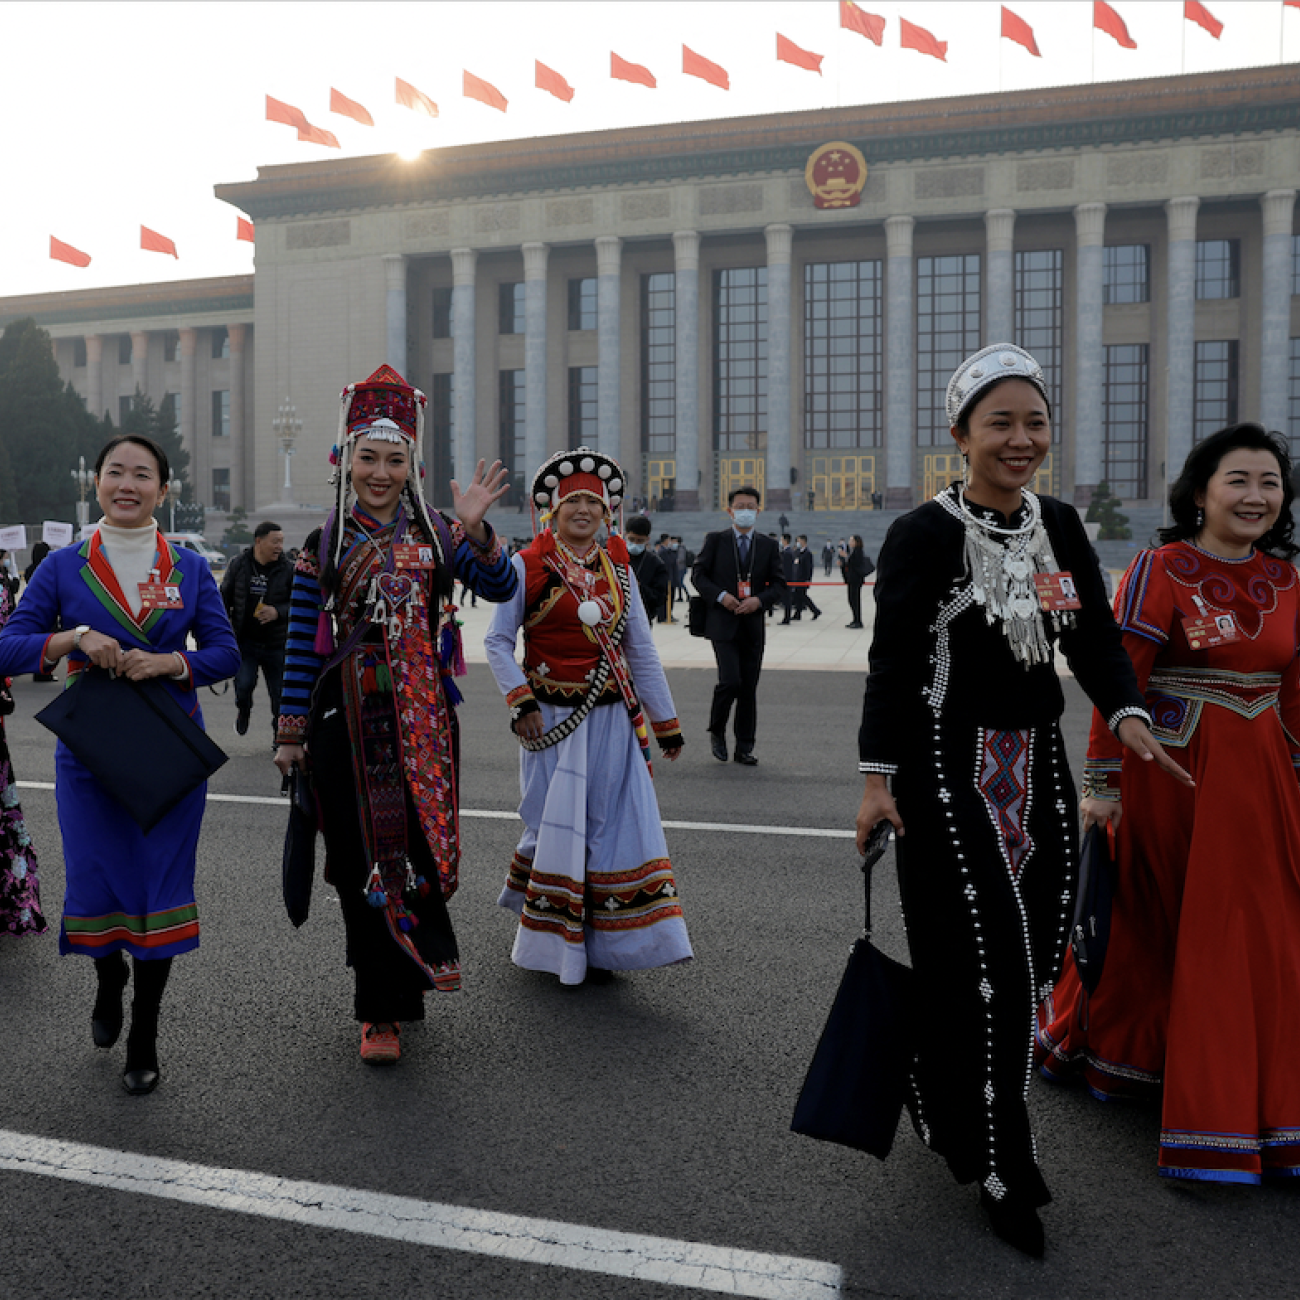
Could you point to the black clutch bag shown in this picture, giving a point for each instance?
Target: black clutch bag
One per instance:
(135, 740)
(697, 615)
(857, 1082)
(299, 865)
(1090, 928)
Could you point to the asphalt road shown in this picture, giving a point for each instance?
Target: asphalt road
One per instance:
(658, 1105)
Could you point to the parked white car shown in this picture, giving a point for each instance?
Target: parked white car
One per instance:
(198, 544)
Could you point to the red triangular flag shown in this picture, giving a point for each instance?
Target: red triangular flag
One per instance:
(409, 97)
(912, 37)
(696, 65)
(1104, 17)
(549, 79)
(858, 20)
(153, 242)
(62, 252)
(622, 70)
(286, 113)
(318, 135)
(476, 88)
(1199, 14)
(1014, 28)
(1294, 4)
(340, 103)
(244, 229)
(788, 52)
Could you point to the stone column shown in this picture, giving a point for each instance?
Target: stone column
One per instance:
(1000, 276)
(608, 403)
(900, 363)
(395, 340)
(779, 460)
(1089, 242)
(463, 378)
(1180, 333)
(189, 337)
(1275, 328)
(95, 375)
(534, 357)
(686, 248)
(139, 361)
(237, 335)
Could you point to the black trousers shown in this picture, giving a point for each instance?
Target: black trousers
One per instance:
(855, 600)
(740, 661)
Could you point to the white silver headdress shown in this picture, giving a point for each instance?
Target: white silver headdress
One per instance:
(987, 366)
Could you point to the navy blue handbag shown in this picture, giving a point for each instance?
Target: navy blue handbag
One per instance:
(1090, 928)
(857, 1082)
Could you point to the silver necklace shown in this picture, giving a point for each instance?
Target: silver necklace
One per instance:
(1001, 563)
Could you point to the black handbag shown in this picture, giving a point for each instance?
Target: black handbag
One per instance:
(1090, 928)
(857, 1082)
(135, 740)
(697, 615)
(299, 864)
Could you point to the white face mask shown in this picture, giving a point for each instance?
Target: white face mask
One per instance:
(636, 548)
(745, 518)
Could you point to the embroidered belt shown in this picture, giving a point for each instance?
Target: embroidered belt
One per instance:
(1176, 697)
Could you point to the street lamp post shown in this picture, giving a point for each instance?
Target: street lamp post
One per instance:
(85, 480)
(287, 426)
(174, 486)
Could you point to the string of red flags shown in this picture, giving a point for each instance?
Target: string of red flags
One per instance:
(1197, 13)
(484, 91)
(276, 111)
(345, 107)
(1105, 19)
(417, 100)
(872, 26)
(1014, 28)
(61, 252)
(696, 65)
(550, 80)
(788, 52)
(622, 70)
(912, 37)
(318, 135)
(152, 242)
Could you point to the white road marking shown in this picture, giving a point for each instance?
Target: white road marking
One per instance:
(730, 828)
(542, 1242)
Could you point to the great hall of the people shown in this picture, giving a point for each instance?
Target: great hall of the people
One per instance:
(775, 300)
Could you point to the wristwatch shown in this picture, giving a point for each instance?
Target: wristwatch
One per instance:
(82, 629)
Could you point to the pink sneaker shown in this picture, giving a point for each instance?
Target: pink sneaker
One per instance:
(381, 1043)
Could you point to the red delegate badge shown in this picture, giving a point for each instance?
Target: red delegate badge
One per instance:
(1206, 631)
(413, 555)
(1056, 591)
(160, 595)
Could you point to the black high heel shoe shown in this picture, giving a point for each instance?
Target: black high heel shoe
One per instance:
(106, 1018)
(1016, 1223)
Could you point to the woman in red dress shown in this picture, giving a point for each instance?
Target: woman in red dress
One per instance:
(1203, 973)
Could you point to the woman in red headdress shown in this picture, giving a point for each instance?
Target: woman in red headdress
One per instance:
(369, 698)
(590, 879)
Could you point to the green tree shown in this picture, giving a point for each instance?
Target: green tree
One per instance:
(1104, 510)
(237, 531)
(146, 420)
(44, 428)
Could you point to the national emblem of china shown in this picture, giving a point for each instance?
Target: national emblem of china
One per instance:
(836, 174)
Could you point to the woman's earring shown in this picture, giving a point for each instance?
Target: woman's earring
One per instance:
(1200, 518)
(965, 474)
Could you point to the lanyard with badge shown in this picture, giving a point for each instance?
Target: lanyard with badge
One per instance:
(156, 594)
(744, 587)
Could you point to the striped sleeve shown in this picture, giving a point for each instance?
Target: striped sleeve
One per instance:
(485, 569)
(302, 662)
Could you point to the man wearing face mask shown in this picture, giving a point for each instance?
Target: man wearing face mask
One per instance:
(739, 575)
(651, 575)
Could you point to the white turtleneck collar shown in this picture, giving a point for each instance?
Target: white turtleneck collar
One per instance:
(130, 553)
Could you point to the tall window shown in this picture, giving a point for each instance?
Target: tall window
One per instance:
(740, 359)
(220, 343)
(947, 331)
(221, 413)
(1125, 415)
(1039, 320)
(442, 297)
(441, 438)
(582, 304)
(582, 406)
(1293, 399)
(171, 345)
(843, 354)
(221, 489)
(170, 409)
(1126, 273)
(123, 349)
(1218, 268)
(79, 352)
(1295, 265)
(123, 410)
(510, 446)
(659, 364)
(510, 307)
(1214, 389)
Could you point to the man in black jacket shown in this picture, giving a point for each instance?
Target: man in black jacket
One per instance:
(651, 575)
(739, 575)
(256, 591)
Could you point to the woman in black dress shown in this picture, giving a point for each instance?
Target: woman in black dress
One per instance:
(857, 569)
(975, 590)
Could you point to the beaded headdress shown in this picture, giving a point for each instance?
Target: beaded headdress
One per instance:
(987, 366)
(569, 473)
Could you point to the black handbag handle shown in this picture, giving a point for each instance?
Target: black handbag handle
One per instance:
(877, 843)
